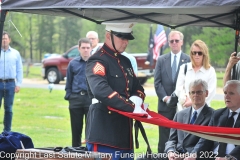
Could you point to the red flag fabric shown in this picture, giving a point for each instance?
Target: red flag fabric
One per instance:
(219, 134)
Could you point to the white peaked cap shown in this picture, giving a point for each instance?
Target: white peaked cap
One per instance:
(124, 27)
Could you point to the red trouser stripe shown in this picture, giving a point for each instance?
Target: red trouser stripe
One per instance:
(95, 148)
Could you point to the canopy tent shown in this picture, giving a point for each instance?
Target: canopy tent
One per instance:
(170, 13)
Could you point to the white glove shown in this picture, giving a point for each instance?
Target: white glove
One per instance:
(138, 109)
(136, 100)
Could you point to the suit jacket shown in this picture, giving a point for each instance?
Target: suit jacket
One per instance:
(163, 83)
(219, 118)
(180, 140)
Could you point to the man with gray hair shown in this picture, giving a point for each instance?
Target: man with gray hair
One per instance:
(199, 113)
(224, 117)
(93, 37)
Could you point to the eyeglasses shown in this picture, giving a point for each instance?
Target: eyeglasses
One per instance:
(195, 53)
(196, 92)
(174, 40)
(92, 38)
(85, 47)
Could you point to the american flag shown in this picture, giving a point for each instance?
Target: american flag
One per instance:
(159, 39)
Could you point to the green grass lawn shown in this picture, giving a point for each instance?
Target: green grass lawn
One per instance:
(34, 72)
(44, 116)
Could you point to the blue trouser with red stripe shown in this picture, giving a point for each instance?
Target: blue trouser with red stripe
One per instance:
(123, 154)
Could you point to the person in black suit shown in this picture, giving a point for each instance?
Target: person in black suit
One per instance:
(183, 142)
(165, 76)
(224, 117)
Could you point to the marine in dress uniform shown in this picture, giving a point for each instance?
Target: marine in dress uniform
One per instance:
(112, 83)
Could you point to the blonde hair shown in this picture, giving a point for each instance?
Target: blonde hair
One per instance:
(204, 49)
(176, 32)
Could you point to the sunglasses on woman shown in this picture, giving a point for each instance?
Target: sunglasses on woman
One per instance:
(195, 53)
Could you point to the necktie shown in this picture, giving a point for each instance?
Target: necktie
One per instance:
(194, 117)
(222, 146)
(174, 68)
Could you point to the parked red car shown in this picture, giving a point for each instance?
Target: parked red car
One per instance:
(54, 68)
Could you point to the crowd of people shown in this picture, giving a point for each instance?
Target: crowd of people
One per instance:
(104, 77)
(195, 84)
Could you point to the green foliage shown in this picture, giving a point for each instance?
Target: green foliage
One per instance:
(91, 26)
(52, 34)
(141, 34)
(188, 32)
(220, 42)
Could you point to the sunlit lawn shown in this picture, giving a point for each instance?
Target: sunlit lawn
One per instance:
(34, 72)
(44, 116)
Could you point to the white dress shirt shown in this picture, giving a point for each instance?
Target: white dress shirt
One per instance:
(183, 80)
(177, 59)
(172, 59)
(95, 49)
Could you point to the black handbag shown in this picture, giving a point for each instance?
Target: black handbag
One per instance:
(173, 100)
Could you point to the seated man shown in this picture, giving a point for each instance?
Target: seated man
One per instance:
(224, 117)
(199, 113)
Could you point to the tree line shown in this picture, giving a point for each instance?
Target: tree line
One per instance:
(35, 35)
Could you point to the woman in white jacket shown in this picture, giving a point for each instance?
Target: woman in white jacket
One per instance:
(198, 68)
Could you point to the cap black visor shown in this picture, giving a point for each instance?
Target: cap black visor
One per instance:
(127, 36)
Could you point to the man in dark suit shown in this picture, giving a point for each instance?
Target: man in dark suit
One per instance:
(224, 117)
(200, 114)
(165, 76)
